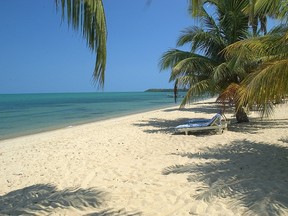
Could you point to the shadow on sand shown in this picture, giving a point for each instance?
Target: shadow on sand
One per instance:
(252, 127)
(161, 125)
(255, 174)
(168, 126)
(44, 199)
(257, 124)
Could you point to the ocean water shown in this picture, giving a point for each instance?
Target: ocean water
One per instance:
(22, 114)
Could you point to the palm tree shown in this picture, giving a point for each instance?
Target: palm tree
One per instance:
(205, 69)
(88, 17)
(267, 82)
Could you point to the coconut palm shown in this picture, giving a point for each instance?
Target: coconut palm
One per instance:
(204, 69)
(88, 17)
(267, 83)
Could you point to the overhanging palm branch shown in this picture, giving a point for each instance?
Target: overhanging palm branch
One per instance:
(230, 94)
(221, 71)
(268, 81)
(207, 42)
(171, 57)
(196, 64)
(188, 64)
(88, 17)
(196, 90)
(268, 84)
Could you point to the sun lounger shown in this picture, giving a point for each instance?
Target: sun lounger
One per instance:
(216, 123)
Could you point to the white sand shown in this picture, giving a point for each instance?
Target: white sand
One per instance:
(135, 165)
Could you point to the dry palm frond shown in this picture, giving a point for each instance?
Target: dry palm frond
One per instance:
(229, 96)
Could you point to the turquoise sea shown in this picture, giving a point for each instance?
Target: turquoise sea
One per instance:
(22, 114)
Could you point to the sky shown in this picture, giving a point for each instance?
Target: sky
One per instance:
(40, 54)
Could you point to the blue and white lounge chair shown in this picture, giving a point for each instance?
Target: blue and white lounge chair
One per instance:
(215, 123)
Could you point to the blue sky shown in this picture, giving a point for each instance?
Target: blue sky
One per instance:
(40, 54)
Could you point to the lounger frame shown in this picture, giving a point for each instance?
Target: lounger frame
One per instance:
(217, 123)
(219, 128)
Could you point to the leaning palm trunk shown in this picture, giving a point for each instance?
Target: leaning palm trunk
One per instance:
(241, 115)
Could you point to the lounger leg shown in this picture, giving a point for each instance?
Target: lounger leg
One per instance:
(220, 130)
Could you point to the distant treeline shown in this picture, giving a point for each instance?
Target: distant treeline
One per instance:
(165, 90)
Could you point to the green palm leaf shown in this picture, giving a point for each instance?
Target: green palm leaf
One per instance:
(267, 84)
(171, 57)
(88, 17)
(198, 89)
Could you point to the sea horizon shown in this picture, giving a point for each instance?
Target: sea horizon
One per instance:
(28, 113)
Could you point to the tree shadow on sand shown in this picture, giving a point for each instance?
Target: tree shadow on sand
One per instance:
(44, 199)
(257, 124)
(255, 174)
(161, 125)
(284, 139)
(168, 126)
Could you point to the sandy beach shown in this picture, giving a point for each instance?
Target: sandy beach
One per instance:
(137, 165)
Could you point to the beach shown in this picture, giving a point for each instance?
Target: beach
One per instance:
(137, 165)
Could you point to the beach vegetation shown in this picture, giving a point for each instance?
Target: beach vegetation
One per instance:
(266, 82)
(227, 52)
(203, 68)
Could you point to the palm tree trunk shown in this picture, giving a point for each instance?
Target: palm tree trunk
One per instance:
(241, 115)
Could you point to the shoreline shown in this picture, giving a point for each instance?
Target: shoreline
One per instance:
(136, 165)
(98, 119)
(34, 113)
(115, 116)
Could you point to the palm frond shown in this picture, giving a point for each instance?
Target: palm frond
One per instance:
(195, 7)
(220, 72)
(268, 6)
(88, 17)
(187, 35)
(195, 64)
(170, 58)
(266, 86)
(187, 81)
(198, 89)
(230, 94)
(210, 23)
